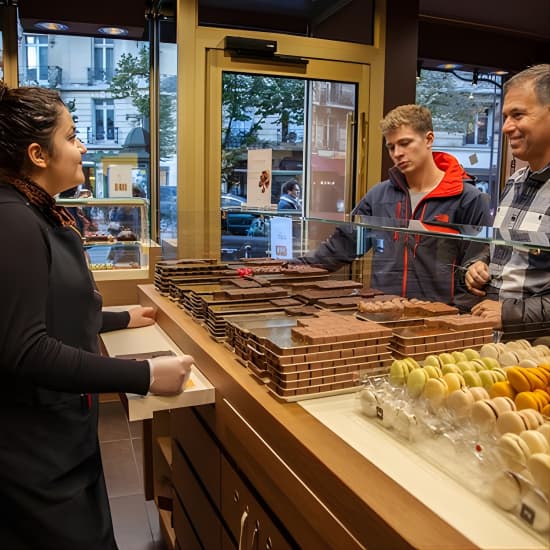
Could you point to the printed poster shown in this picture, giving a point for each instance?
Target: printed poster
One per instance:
(259, 178)
(120, 180)
(281, 238)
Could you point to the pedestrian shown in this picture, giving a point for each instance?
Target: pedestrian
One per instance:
(290, 191)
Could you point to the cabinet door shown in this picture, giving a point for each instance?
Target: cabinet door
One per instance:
(199, 447)
(246, 518)
(186, 539)
(200, 510)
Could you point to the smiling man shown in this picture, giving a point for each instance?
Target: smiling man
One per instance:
(521, 277)
(427, 188)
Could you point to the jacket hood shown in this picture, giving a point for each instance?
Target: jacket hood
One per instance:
(452, 183)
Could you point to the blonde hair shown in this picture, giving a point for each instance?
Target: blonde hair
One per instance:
(416, 116)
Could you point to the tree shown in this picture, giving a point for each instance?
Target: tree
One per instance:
(450, 101)
(131, 80)
(250, 98)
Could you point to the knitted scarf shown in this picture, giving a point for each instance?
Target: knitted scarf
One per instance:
(43, 201)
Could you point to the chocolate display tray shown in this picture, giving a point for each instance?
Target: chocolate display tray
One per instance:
(422, 335)
(313, 368)
(289, 362)
(312, 392)
(279, 341)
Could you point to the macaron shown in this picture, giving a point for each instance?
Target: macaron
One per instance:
(484, 415)
(388, 413)
(535, 441)
(539, 466)
(513, 451)
(479, 393)
(433, 372)
(511, 422)
(503, 404)
(532, 418)
(435, 391)
(416, 381)
(460, 402)
(405, 424)
(489, 350)
(369, 402)
(472, 378)
(399, 371)
(506, 491)
(454, 381)
(508, 358)
(544, 429)
(503, 388)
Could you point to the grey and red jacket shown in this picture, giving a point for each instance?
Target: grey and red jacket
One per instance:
(414, 265)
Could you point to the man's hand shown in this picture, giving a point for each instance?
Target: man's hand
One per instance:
(169, 374)
(490, 310)
(477, 277)
(141, 317)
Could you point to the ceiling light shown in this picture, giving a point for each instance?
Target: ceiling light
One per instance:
(113, 31)
(50, 26)
(500, 72)
(449, 66)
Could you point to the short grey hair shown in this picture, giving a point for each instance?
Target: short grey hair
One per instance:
(539, 75)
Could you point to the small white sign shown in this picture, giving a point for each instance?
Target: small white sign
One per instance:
(259, 177)
(120, 180)
(281, 238)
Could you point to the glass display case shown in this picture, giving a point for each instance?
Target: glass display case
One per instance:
(310, 333)
(414, 259)
(115, 232)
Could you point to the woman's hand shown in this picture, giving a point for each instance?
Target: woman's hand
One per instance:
(141, 317)
(169, 374)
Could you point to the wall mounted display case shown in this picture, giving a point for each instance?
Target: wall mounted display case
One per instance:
(115, 235)
(115, 232)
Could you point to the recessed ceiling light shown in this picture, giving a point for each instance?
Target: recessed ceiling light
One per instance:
(449, 66)
(499, 72)
(113, 31)
(50, 26)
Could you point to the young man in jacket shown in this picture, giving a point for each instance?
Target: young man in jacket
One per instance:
(520, 278)
(425, 190)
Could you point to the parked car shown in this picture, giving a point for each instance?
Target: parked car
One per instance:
(244, 234)
(234, 220)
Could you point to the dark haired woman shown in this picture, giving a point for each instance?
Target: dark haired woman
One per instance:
(51, 477)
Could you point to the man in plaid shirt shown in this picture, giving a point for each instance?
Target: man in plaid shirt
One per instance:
(515, 279)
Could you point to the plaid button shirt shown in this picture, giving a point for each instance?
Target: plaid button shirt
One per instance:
(521, 275)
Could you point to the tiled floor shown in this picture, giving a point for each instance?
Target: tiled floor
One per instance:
(135, 520)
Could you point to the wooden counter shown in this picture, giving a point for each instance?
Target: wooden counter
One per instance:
(320, 489)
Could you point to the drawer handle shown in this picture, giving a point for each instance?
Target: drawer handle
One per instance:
(268, 544)
(242, 534)
(255, 536)
(236, 496)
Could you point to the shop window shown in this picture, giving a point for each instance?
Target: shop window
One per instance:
(104, 120)
(103, 59)
(35, 60)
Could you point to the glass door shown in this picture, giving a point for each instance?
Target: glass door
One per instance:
(282, 137)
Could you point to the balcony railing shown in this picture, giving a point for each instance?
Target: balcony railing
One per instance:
(50, 76)
(97, 75)
(109, 136)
